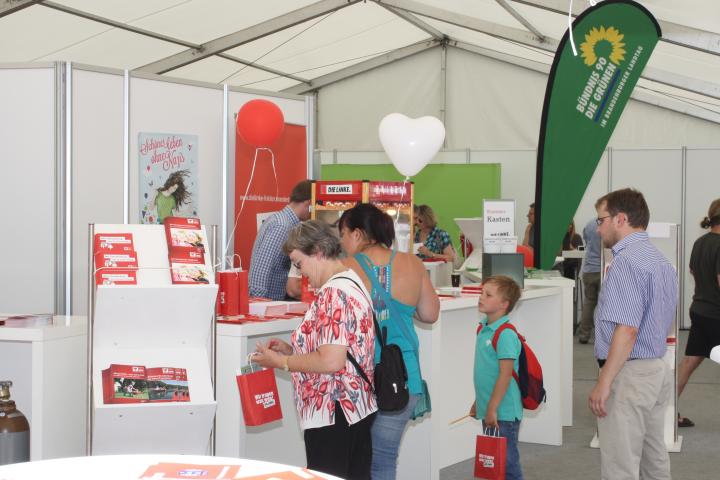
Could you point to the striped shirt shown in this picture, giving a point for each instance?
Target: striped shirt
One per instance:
(640, 290)
(269, 265)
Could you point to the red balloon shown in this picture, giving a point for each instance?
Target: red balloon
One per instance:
(260, 122)
(528, 255)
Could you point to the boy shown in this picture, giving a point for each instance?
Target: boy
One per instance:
(497, 395)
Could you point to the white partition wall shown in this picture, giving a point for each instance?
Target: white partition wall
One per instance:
(164, 106)
(28, 188)
(97, 163)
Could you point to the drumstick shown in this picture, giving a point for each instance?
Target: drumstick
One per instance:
(458, 420)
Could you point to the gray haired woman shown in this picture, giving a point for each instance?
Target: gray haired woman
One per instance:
(335, 404)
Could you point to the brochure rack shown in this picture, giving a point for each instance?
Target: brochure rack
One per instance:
(156, 324)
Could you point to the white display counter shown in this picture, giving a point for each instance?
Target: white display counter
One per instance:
(279, 441)
(47, 366)
(447, 350)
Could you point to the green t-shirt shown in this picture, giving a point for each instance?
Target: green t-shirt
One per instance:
(487, 369)
(165, 206)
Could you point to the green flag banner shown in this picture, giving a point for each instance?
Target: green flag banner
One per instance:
(585, 97)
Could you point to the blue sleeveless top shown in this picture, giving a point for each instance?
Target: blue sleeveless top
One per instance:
(390, 311)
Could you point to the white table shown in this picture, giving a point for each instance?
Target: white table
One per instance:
(132, 467)
(48, 368)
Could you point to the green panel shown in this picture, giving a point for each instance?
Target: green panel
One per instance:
(452, 191)
(585, 96)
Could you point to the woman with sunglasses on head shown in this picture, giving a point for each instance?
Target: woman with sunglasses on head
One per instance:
(435, 241)
(366, 234)
(334, 399)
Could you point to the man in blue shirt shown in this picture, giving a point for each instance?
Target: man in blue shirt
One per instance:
(634, 315)
(590, 280)
(269, 265)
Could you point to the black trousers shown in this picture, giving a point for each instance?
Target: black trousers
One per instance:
(342, 450)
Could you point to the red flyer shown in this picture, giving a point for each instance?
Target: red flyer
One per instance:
(184, 233)
(116, 276)
(124, 384)
(113, 242)
(116, 259)
(174, 471)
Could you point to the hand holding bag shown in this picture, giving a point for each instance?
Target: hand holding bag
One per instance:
(259, 395)
(490, 450)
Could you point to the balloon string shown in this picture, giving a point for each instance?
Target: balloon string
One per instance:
(572, 39)
(272, 159)
(402, 196)
(242, 205)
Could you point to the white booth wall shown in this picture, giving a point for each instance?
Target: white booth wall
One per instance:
(70, 133)
(28, 187)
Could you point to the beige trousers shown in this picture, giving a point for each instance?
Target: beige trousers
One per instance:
(631, 435)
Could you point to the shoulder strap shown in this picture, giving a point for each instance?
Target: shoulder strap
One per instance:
(365, 263)
(496, 338)
(377, 332)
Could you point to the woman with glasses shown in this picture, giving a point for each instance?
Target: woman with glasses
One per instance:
(334, 400)
(436, 242)
(367, 234)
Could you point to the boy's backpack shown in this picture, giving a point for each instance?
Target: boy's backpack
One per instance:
(390, 382)
(529, 376)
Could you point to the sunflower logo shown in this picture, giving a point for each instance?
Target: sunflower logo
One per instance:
(611, 35)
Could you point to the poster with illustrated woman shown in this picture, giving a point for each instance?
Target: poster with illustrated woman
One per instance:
(168, 183)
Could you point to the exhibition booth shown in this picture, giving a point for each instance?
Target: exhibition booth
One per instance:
(101, 183)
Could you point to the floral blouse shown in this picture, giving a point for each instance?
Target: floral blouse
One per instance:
(436, 240)
(340, 315)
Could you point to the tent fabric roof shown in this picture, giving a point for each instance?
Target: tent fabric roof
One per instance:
(280, 45)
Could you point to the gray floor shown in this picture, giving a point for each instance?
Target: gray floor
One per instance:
(700, 456)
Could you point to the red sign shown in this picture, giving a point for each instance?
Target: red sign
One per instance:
(265, 194)
(397, 192)
(338, 191)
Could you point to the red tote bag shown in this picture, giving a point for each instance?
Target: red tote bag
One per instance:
(490, 456)
(259, 397)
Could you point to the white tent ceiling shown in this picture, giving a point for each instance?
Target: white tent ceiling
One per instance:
(300, 45)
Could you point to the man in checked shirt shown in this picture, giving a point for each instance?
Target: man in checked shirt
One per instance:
(634, 315)
(269, 265)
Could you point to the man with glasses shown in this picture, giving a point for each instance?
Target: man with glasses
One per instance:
(634, 314)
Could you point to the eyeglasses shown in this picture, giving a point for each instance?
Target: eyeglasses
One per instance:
(297, 264)
(600, 220)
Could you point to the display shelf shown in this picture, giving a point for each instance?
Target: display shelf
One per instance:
(153, 324)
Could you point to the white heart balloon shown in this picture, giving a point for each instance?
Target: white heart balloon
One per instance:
(411, 142)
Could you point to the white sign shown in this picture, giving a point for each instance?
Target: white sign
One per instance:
(499, 218)
(338, 189)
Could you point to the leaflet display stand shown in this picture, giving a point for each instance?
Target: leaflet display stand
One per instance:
(155, 324)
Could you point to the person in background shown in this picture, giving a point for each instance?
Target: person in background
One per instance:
(436, 242)
(269, 265)
(634, 315)
(294, 283)
(591, 280)
(705, 307)
(529, 237)
(571, 241)
(335, 405)
(366, 234)
(497, 396)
